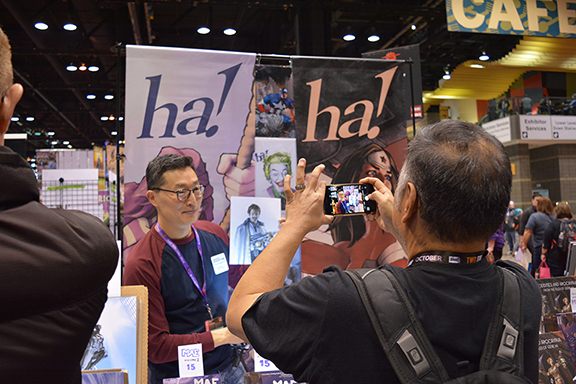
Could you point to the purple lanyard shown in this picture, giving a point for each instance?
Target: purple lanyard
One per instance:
(185, 263)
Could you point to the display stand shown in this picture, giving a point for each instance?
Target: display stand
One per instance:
(105, 376)
(141, 292)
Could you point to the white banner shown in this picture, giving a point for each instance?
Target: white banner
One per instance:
(500, 129)
(563, 127)
(535, 127)
(186, 101)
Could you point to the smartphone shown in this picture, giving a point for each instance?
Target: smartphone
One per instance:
(348, 199)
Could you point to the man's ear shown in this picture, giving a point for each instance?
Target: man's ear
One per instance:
(409, 203)
(152, 198)
(7, 106)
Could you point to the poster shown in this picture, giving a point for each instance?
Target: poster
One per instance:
(113, 341)
(275, 113)
(352, 118)
(274, 158)
(204, 113)
(253, 224)
(554, 362)
(558, 296)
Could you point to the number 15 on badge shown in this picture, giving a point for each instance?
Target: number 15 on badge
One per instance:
(190, 362)
(263, 365)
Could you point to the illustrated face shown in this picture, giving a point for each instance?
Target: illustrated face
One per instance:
(277, 174)
(340, 195)
(378, 165)
(178, 213)
(254, 215)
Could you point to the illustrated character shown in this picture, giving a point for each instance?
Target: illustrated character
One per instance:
(275, 115)
(251, 236)
(95, 350)
(276, 167)
(358, 241)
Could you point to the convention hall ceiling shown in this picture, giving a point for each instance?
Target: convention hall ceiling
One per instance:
(55, 98)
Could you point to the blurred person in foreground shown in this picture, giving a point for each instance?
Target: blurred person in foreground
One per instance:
(55, 265)
(320, 329)
(554, 255)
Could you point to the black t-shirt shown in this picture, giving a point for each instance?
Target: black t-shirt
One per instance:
(319, 331)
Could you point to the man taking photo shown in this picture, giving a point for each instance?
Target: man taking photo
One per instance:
(452, 195)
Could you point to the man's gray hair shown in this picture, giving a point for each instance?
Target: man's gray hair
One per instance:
(463, 179)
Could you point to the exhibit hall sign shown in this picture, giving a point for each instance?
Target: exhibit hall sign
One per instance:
(554, 18)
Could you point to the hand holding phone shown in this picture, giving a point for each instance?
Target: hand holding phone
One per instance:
(349, 199)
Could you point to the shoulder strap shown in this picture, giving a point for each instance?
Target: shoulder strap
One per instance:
(401, 335)
(404, 340)
(504, 343)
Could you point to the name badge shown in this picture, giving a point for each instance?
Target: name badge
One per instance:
(219, 263)
(190, 361)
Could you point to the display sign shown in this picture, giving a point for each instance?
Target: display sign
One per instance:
(500, 129)
(535, 127)
(552, 18)
(563, 127)
(263, 365)
(190, 361)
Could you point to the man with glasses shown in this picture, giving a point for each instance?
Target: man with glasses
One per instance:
(184, 264)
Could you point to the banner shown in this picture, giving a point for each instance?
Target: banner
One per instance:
(190, 102)
(413, 92)
(351, 117)
(551, 18)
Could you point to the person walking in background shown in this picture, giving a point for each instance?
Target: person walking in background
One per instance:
(524, 219)
(510, 226)
(535, 228)
(554, 255)
(495, 244)
(526, 105)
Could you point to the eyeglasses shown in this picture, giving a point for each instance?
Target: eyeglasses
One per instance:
(184, 194)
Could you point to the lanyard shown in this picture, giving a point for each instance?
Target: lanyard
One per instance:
(447, 257)
(185, 263)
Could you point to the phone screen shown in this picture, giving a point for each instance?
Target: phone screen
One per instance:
(348, 199)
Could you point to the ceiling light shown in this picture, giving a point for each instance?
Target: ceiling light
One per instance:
(50, 133)
(54, 142)
(93, 68)
(104, 118)
(70, 146)
(373, 38)
(30, 118)
(14, 118)
(65, 142)
(70, 27)
(484, 57)
(113, 133)
(111, 117)
(120, 118)
(413, 27)
(83, 67)
(37, 133)
(71, 68)
(446, 76)
(476, 66)
(91, 97)
(349, 37)
(203, 30)
(109, 97)
(41, 26)
(229, 31)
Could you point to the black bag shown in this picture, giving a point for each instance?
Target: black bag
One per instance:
(566, 235)
(409, 350)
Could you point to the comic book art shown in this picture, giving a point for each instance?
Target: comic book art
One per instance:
(275, 115)
(556, 298)
(254, 222)
(352, 119)
(274, 158)
(554, 362)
